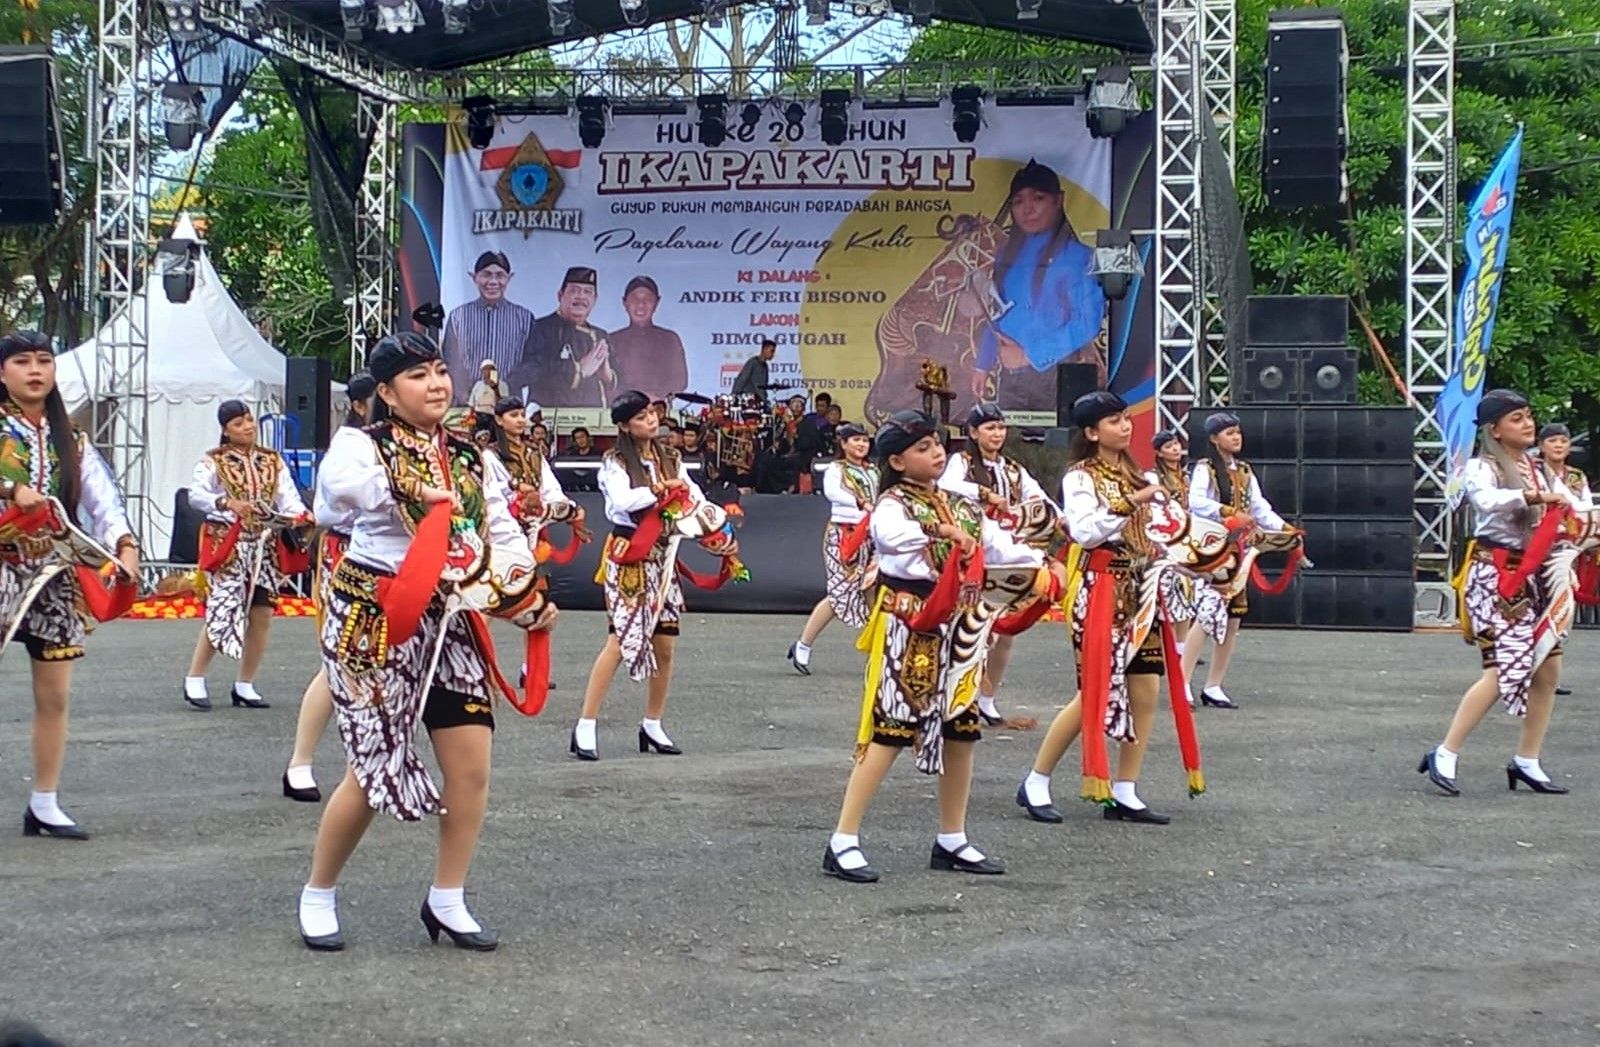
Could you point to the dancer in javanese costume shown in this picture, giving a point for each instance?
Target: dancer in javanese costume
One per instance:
(925, 643)
(433, 547)
(316, 705)
(43, 458)
(851, 486)
(251, 540)
(1506, 592)
(1008, 494)
(1555, 445)
(1172, 477)
(1122, 615)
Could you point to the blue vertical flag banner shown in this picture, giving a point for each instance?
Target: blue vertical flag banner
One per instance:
(1487, 236)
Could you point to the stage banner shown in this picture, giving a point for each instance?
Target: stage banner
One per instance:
(658, 263)
(1487, 237)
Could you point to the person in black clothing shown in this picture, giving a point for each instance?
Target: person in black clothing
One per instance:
(753, 376)
(581, 445)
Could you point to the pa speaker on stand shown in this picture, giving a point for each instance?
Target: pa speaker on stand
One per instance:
(1073, 381)
(31, 173)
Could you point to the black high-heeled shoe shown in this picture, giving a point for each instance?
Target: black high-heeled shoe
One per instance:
(1217, 703)
(477, 941)
(1430, 767)
(990, 721)
(249, 703)
(1042, 813)
(1515, 774)
(311, 795)
(32, 826)
(803, 668)
(203, 703)
(951, 861)
(1119, 812)
(579, 752)
(646, 743)
(831, 866)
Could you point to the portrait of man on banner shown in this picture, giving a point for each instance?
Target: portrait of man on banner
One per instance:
(566, 361)
(491, 327)
(646, 357)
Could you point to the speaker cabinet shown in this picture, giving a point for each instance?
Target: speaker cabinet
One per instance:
(1304, 129)
(1371, 546)
(31, 173)
(308, 400)
(1280, 484)
(1369, 434)
(1073, 381)
(1269, 432)
(1296, 375)
(1347, 489)
(1335, 600)
(1296, 319)
(1328, 375)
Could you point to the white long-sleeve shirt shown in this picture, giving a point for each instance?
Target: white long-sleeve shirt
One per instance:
(955, 479)
(1504, 516)
(550, 489)
(354, 485)
(206, 488)
(845, 508)
(1090, 521)
(101, 513)
(1203, 497)
(623, 499)
(902, 545)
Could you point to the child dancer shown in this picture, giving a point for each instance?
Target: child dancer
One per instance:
(851, 486)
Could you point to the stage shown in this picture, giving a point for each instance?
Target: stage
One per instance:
(1320, 893)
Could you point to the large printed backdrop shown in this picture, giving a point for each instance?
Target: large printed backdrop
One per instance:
(858, 260)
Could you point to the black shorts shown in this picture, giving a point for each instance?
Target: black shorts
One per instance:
(1149, 660)
(900, 735)
(260, 597)
(45, 651)
(1239, 606)
(454, 709)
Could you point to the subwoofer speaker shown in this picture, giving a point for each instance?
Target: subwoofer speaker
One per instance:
(1347, 489)
(1362, 434)
(31, 173)
(308, 395)
(1328, 375)
(1296, 319)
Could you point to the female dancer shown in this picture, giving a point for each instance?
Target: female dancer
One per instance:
(539, 498)
(1170, 475)
(1104, 497)
(316, 705)
(851, 486)
(241, 488)
(388, 478)
(926, 645)
(1223, 488)
(1521, 661)
(998, 485)
(643, 599)
(42, 457)
(1555, 444)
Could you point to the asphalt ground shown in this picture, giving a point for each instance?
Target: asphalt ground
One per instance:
(1320, 893)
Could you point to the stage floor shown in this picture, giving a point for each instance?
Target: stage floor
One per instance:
(1321, 893)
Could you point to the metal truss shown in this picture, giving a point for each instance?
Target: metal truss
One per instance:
(372, 303)
(120, 412)
(1430, 237)
(1175, 28)
(1219, 40)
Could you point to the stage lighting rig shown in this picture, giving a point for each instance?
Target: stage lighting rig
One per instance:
(921, 12)
(817, 12)
(592, 113)
(713, 12)
(177, 261)
(1028, 10)
(795, 115)
(835, 116)
(183, 19)
(180, 111)
(560, 15)
(713, 120)
(354, 13)
(457, 18)
(750, 115)
(480, 120)
(398, 16)
(1113, 101)
(634, 12)
(966, 112)
(1116, 262)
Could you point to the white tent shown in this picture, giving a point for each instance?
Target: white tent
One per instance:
(200, 353)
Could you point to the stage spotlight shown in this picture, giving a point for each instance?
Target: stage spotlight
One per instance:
(713, 120)
(560, 15)
(921, 12)
(354, 13)
(398, 16)
(795, 115)
(835, 116)
(966, 108)
(456, 16)
(816, 12)
(634, 12)
(480, 120)
(592, 111)
(1028, 10)
(429, 314)
(183, 18)
(750, 115)
(1113, 101)
(176, 261)
(714, 12)
(180, 111)
(1116, 262)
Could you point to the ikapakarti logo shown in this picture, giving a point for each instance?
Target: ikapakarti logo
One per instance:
(530, 186)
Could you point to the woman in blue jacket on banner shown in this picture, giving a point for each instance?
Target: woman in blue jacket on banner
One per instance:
(1057, 309)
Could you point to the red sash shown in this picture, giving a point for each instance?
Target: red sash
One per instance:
(854, 537)
(214, 552)
(291, 560)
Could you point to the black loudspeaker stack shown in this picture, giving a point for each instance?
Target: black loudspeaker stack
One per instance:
(1304, 128)
(1294, 351)
(308, 392)
(31, 173)
(1073, 381)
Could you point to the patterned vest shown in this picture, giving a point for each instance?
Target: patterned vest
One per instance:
(247, 474)
(930, 507)
(446, 460)
(27, 456)
(1115, 491)
(1174, 483)
(524, 462)
(859, 481)
(978, 474)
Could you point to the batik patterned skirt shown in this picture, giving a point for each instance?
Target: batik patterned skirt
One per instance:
(53, 627)
(249, 578)
(845, 595)
(1513, 638)
(643, 600)
(382, 694)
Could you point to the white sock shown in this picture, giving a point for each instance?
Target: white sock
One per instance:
(1179, 645)
(838, 843)
(1127, 794)
(802, 653)
(195, 686)
(956, 844)
(1530, 767)
(319, 911)
(1215, 691)
(47, 810)
(247, 690)
(300, 777)
(656, 732)
(1036, 789)
(584, 732)
(986, 706)
(449, 904)
(1444, 761)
